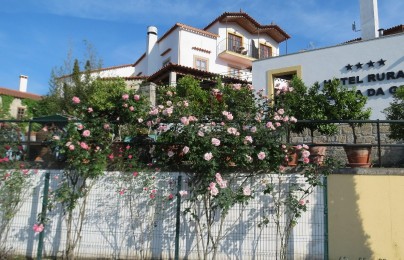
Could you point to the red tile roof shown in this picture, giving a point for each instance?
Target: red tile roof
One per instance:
(251, 25)
(184, 70)
(19, 94)
(188, 28)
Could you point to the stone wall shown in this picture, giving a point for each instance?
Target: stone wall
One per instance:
(391, 156)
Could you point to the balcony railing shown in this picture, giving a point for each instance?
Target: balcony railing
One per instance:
(246, 49)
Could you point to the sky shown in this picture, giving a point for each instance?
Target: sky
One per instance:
(36, 36)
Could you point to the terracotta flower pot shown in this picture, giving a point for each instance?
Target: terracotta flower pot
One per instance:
(317, 154)
(358, 155)
(293, 157)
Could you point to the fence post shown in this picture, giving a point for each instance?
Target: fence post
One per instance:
(178, 220)
(325, 198)
(379, 152)
(43, 215)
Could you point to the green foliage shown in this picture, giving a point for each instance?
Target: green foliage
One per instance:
(32, 106)
(396, 112)
(104, 93)
(5, 106)
(345, 104)
(308, 104)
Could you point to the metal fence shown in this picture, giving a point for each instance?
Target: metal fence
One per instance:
(386, 153)
(127, 226)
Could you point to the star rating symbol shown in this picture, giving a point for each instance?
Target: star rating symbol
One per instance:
(381, 62)
(371, 64)
(348, 67)
(358, 65)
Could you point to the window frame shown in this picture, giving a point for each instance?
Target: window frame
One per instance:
(262, 49)
(232, 39)
(20, 115)
(201, 59)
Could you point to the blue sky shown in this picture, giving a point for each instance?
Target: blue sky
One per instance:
(36, 35)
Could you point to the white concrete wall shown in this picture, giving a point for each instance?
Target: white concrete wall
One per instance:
(116, 229)
(189, 40)
(327, 63)
(120, 72)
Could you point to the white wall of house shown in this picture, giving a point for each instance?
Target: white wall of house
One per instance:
(126, 71)
(188, 55)
(377, 82)
(181, 42)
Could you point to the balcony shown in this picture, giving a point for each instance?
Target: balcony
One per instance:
(241, 54)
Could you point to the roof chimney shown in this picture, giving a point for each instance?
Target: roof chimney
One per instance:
(23, 83)
(151, 38)
(151, 50)
(369, 19)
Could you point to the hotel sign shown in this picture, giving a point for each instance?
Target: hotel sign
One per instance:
(373, 77)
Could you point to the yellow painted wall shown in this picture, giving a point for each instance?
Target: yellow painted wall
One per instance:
(366, 217)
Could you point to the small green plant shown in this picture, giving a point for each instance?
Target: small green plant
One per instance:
(396, 112)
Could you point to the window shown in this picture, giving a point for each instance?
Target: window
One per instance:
(201, 63)
(20, 113)
(265, 51)
(235, 43)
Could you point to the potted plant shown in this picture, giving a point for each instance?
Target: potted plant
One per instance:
(309, 104)
(347, 104)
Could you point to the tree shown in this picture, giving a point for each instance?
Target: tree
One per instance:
(307, 104)
(69, 80)
(396, 112)
(345, 104)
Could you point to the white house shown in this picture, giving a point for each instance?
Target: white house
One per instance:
(374, 63)
(226, 47)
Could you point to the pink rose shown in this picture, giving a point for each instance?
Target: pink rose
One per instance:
(213, 190)
(237, 86)
(106, 127)
(125, 96)
(131, 108)
(261, 155)
(215, 141)
(84, 145)
(170, 153)
(136, 97)
(71, 147)
(222, 183)
(183, 193)
(135, 174)
(247, 191)
(90, 110)
(38, 228)
(76, 100)
(248, 139)
(184, 120)
(86, 133)
(185, 150)
(207, 156)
